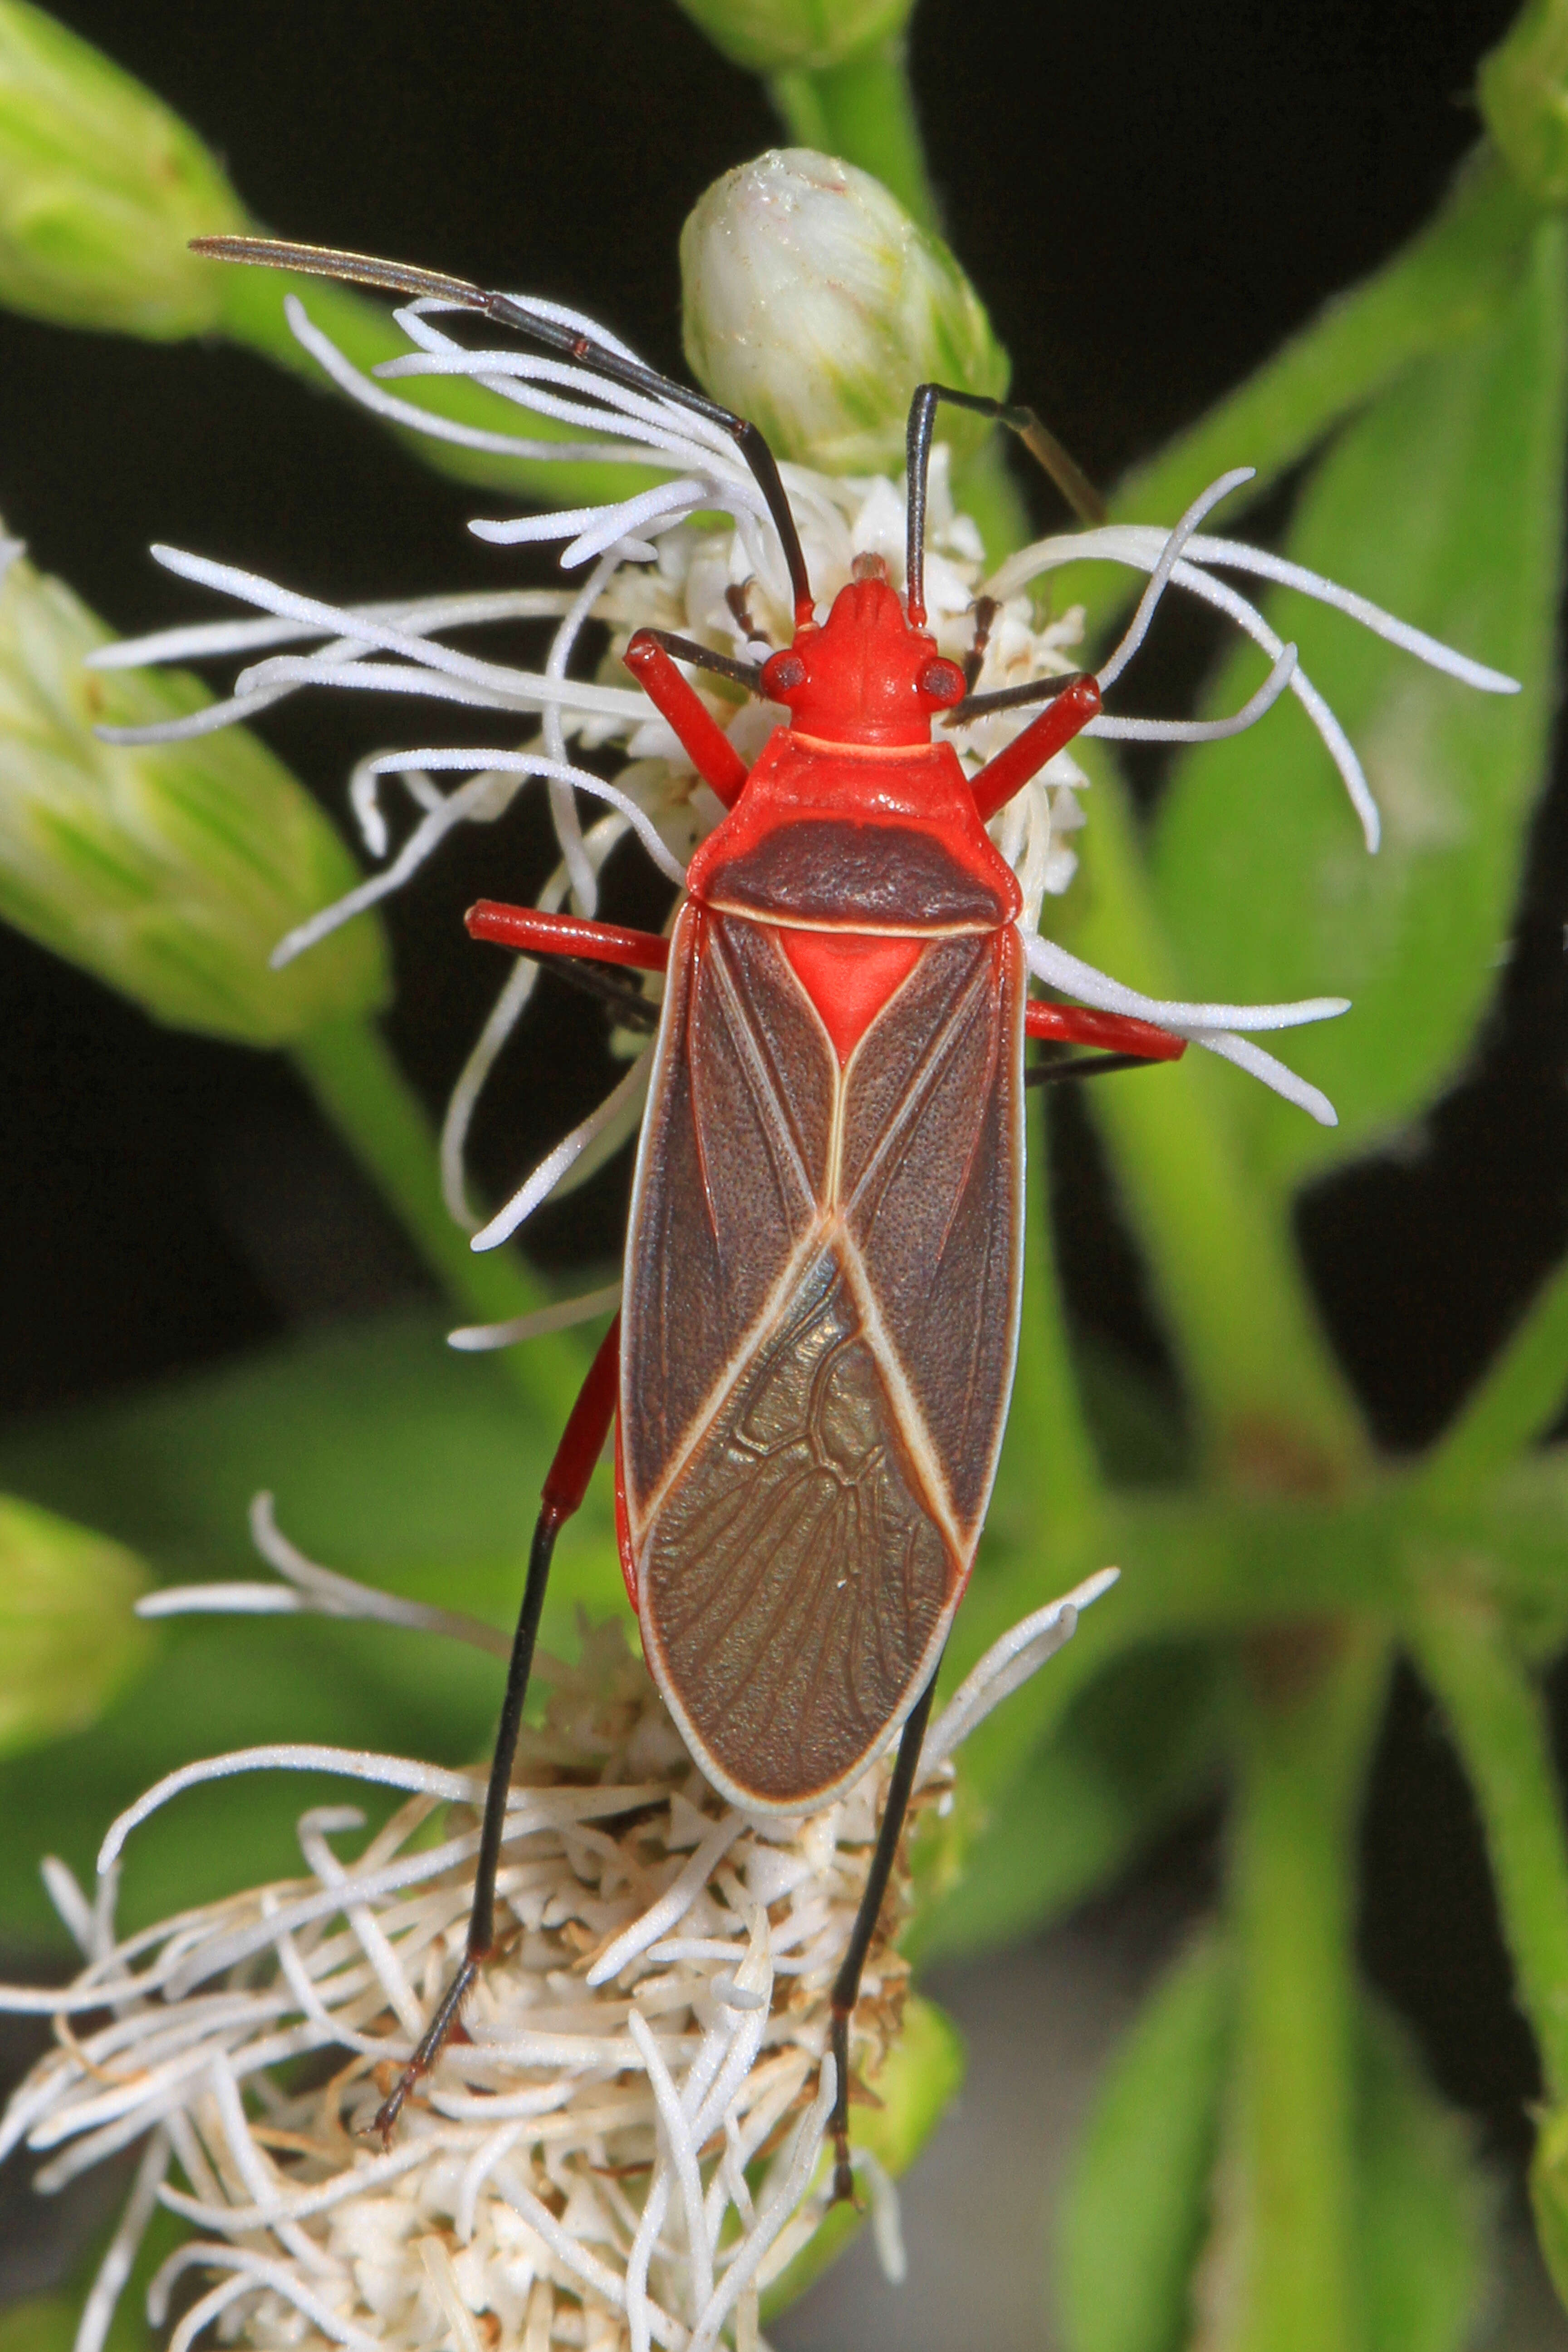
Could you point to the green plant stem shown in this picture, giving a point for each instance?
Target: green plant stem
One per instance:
(863, 111)
(350, 1072)
(1516, 1396)
(364, 333)
(1452, 280)
(1499, 1727)
(1045, 1527)
(1270, 1404)
(1055, 1481)
(1307, 1714)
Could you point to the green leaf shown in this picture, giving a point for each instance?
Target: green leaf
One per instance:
(1137, 2205)
(393, 1459)
(1442, 504)
(1139, 1747)
(1424, 2207)
(69, 1639)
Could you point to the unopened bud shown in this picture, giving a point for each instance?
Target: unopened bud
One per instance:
(814, 305)
(101, 189)
(811, 35)
(1522, 87)
(68, 1637)
(170, 871)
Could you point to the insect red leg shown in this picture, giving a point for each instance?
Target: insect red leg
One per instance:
(1118, 1033)
(1027, 754)
(847, 1984)
(565, 1484)
(533, 932)
(713, 755)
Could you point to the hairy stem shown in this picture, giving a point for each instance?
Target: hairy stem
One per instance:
(1310, 1705)
(1500, 1730)
(1516, 1396)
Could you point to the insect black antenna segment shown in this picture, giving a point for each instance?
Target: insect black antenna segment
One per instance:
(1010, 697)
(1043, 446)
(430, 285)
(687, 649)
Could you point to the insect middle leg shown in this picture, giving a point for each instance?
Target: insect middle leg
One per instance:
(565, 1484)
(847, 1984)
(1126, 1043)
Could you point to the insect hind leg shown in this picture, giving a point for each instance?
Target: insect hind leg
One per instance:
(565, 1484)
(847, 1984)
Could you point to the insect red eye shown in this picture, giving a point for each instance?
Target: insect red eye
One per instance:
(782, 673)
(940, 681)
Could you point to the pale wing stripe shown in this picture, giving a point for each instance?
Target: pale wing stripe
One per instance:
(900, 1394)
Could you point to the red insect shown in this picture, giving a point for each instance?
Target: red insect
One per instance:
(810, 1374)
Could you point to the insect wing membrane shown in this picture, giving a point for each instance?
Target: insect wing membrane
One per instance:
(821, 1314)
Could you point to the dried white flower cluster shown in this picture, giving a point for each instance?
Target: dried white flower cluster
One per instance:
(625, 2147)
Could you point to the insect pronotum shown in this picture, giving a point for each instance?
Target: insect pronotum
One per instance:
(810, 1374)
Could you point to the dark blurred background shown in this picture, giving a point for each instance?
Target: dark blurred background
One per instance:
(1148, 199)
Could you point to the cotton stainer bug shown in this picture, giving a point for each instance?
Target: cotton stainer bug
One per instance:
(810, 1374)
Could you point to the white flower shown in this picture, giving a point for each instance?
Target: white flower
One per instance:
(648, 561)
(626, 2147)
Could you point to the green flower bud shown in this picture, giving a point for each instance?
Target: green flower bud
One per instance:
(68, 1635)
(171, 871)
(1524, 91)
(812, 36)
(101, 189)
(814, 305)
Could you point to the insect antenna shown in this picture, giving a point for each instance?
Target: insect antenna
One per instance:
(986, 610)
(1043, 446)
(1010, 698)
(556, 335)
(687, 649)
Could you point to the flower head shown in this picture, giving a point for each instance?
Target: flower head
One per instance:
(626, 2145)
(659, 556)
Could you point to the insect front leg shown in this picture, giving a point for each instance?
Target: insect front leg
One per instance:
(565, 1484)
(847, 1984)
(711, 753)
